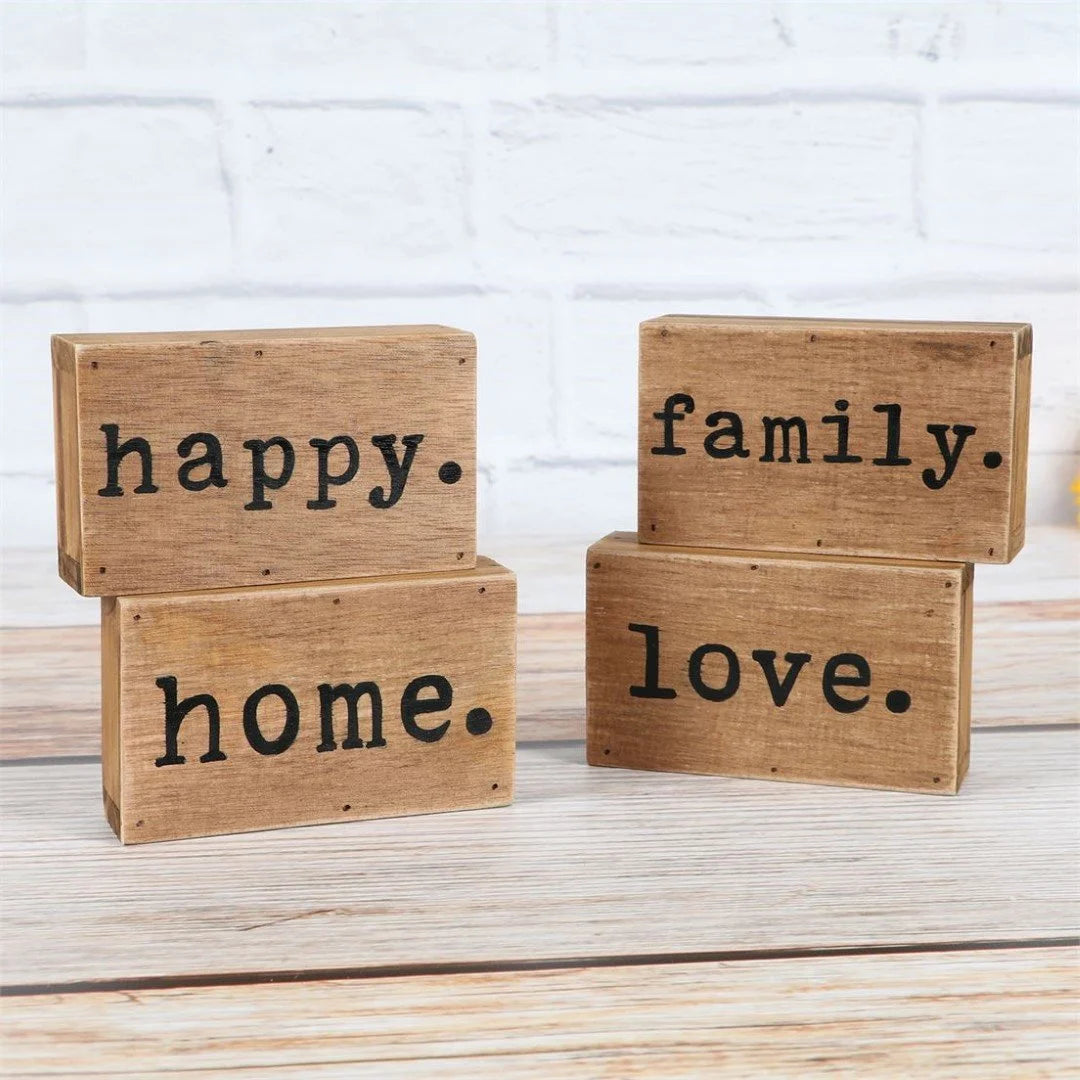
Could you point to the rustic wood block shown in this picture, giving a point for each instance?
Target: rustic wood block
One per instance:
(259, 708)
(208, 460)
(898, 439)
(814, 668)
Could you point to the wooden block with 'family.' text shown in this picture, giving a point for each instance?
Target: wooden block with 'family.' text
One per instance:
(279, 705)
(210, 460)
(814, 668)
(898, 439)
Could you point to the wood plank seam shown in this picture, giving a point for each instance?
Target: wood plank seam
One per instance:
(483, 967)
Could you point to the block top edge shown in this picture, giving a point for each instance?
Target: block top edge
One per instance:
(627, 544)
(303, 333)
(778, 323)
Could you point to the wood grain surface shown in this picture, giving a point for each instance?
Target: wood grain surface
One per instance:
(589, 862)
(940, 476)
(815, 668)
(194, 529)
(609, 923)
(266, 707)
(985, 1014)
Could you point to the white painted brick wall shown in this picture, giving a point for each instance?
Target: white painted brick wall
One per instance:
(547, 175)
(683, 178)
(328, 192)
(102, 196)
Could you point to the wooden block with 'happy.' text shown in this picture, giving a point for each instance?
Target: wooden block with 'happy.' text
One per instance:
(894, 439)
(209, 460)
(258, 708)
(815, 668)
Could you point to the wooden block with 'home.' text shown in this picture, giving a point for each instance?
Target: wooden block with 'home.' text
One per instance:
(898, 439)
(210, 460)
(815, 668)
(264, 707)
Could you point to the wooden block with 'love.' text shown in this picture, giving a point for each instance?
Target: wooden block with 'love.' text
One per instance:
(279, 705)
(894, 439)
(814, 668)
(210, 460)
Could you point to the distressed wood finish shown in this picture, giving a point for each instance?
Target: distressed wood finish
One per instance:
(973, 1014)
(801, 869)
(591, 862)
(438, 648)
(744, 663)
(299, 385)
(972, 374)
(693, 869)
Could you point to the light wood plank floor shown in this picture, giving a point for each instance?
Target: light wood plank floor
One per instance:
(609, 923)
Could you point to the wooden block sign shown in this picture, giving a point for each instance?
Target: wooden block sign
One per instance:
(208, 460)
(897, 439)
(815, 668)
(264, 707)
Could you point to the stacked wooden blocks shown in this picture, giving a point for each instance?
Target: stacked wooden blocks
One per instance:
(796, 604)
(282, 527)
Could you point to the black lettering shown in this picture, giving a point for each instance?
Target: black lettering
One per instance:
(843, 423)
(714, 693)
(260, 479)
(651, 687)
(259, 743)
(892, 437)
(212, 458)
(326, 478)
(351, 695)
(770, 424)
(830, 679)
(175, 711)
(412, 706)
(398, 470)
(949, 457)
(732, 430)
(115, 452)
(667, 416)
(780, 691)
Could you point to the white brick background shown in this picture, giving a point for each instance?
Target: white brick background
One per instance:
(546, 175)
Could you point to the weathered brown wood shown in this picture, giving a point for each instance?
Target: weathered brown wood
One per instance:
(298, 385)
(814, 668)
(112, 712)
(975, 1014)
(429, 660)
(1027, 655)
(591, 862)
(744, 373)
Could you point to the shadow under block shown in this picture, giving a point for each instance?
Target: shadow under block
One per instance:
(263, 456)
(894, 439)
(813, 668)
(428, 661)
